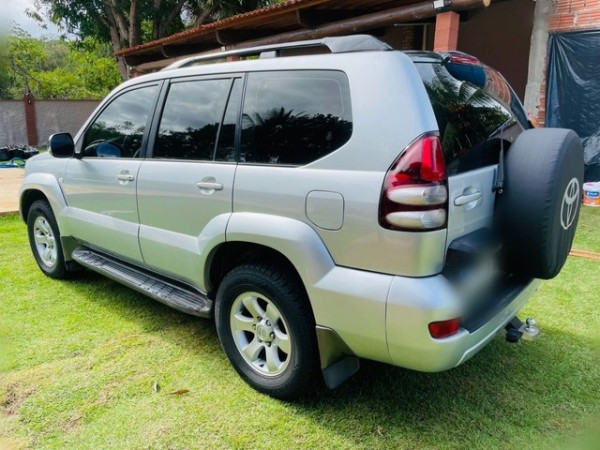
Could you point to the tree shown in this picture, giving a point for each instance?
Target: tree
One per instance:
(5, 74)
(127, 23)
(56, 68)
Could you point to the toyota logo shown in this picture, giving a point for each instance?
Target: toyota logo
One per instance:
(570, 203)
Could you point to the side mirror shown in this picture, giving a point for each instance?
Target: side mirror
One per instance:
(61, 145)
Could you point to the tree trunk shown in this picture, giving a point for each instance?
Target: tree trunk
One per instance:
(201, 18)
(156, 4)
(117, 20)
(135, 30)
(117, 44)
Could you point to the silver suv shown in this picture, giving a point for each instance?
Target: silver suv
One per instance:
(325, 201)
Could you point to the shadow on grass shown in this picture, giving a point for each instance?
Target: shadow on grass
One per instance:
(150, 314)
(508, 392)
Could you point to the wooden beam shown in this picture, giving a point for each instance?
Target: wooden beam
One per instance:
(309, 18)
(407, 13)
(136, 60)
(175, 50)
(230, 37)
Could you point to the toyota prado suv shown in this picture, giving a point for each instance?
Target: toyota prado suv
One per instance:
(353, 202)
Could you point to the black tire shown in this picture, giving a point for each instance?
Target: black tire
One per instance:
(539, 208)
(44, 239)
(298, 368)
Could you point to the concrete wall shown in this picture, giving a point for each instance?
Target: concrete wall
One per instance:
(55, 116)
(12, 122)
(51, 116)
(500, 35)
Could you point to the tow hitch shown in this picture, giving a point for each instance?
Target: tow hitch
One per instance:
(515, 330)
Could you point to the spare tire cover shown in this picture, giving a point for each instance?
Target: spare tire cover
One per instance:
(539, 208)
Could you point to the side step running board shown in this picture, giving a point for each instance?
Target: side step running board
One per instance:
(181, 299)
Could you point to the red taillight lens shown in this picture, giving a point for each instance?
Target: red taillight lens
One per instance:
(433, 167)
(463, 58)
(414, 195)
(445, 328)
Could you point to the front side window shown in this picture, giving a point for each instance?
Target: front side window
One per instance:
(119, 129)
(294, 117)
(191, 118)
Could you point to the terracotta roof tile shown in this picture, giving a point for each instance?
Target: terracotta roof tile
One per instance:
(280, 7)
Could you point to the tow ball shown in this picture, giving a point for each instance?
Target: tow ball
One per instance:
(517, 330)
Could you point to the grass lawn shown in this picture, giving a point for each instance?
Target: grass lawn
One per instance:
(79, 359)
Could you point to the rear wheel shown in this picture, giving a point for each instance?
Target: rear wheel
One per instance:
(44, 239)
(267, 330)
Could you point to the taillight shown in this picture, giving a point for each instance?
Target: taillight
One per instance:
(465, 67)
(443, 329)
(463, 58)
(415, 193)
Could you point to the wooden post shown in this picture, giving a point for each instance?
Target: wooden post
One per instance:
(446, 31)
(30, 119)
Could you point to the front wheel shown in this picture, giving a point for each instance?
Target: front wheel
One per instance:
(267, 330)
(44, 239)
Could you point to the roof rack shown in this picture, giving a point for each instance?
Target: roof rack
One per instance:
(339, 44)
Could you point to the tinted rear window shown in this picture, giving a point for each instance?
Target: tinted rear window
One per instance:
(294, 117)
(469, 119)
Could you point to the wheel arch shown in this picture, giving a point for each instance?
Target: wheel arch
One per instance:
(232, 254)
(28, 197)
(41, 186)
(44, 186)
(274, 239)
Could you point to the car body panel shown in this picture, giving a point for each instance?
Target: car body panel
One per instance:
(175, 214)
(282, 191)
(412, 303)
(102, 209)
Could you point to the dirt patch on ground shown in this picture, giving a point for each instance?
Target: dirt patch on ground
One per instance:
(7, 443)
(10, 182)
(13, 399)
(72, 424)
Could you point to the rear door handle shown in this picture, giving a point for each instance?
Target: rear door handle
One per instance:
(125, 177)
(465, 199)
(209, 186)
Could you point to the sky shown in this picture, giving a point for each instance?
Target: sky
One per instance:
(14, 10)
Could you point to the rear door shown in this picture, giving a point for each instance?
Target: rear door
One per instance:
(187, 180)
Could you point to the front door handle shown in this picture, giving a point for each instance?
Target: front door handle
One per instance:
(209, 186)
(465, 199)
(125, 177)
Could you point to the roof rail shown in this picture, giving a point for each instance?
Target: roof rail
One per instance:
(339, 44)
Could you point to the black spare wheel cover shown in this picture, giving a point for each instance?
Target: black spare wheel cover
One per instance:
(539, 208)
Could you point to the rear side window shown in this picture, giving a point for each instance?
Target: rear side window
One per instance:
(191, 119)
(226, 146)
(470, 120)
(294, 117)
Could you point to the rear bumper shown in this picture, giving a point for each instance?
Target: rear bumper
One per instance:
(414, 303)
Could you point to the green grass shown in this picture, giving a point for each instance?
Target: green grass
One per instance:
(78, 360)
